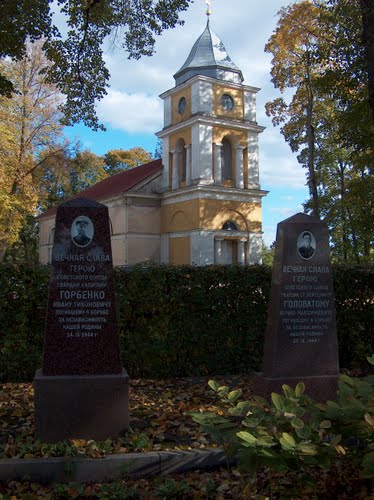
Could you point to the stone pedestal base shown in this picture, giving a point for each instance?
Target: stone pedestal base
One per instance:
(83, 407)
(321, 388)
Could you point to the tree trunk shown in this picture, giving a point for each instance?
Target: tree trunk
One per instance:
(356, 252)
(312, 181)
(343, 211)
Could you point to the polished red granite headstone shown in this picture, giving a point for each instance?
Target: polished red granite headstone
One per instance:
(300, 338)
(82, 389)
(81, 333)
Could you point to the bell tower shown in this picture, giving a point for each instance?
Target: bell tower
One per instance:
(211, 196)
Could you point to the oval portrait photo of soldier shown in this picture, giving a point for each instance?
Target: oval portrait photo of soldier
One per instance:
(82, 231)
(306, 244)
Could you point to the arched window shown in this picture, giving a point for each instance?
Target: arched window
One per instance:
(51, 238)
(227, 174)
(182, 159)
(230, 226)
(184, 164)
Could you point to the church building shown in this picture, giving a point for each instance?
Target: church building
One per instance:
(200, 204)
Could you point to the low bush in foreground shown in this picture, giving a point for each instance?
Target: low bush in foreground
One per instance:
(160, 419)
(293, 433)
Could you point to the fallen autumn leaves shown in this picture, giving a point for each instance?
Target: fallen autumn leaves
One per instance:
(157, 419)
(158, 422)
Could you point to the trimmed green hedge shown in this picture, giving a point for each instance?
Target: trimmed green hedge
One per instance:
(354, 303)
(23, 300)
(180, 321)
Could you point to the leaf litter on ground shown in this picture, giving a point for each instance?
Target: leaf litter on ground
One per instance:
(159, 421)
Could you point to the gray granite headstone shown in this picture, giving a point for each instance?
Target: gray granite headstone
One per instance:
(300, 338)
(82, 389)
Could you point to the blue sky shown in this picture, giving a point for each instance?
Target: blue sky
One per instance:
(132, 111)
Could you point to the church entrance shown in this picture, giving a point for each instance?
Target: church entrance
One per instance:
(229, 252)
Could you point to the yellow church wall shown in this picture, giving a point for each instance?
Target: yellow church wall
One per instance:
(45, 229)
(238, 110)
(210, 215)
(143, 220)
(179, 251)
(43, 254)
(176, 117)
(143, 250)
(229, 183)
(183, 216)
(219, 133)
(117, 218)
(46, 239)
(214, 213)
(134, 218)
(184, 134)
(118, 251)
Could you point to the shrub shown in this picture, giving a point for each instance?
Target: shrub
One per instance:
(190, 321)
(23, 298)
(354, 303)
(180, 321)
(292, 432)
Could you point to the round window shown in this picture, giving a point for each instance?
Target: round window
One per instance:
(182, 105)
(227, 102)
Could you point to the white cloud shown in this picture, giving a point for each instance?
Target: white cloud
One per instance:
(132, 113)
(279, 169)
(272, 216)
(269, 234)
(286, 212)
(139, 76)
(271, 136)
(132, 103)
(243, 29)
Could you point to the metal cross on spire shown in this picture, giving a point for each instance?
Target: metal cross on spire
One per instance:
(207, 7)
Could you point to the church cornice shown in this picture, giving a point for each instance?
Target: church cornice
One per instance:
(212, 192)
(214, 122)
(203, 78)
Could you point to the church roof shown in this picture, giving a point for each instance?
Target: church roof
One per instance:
(116, 184)
(209, 57)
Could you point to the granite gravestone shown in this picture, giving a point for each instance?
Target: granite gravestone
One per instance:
(82, 389)
(300, 339)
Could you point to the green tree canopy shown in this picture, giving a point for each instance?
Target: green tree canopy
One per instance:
(30, 134)
(67, 173)
(78, 68)
(117, 160)
(295, 66)
(318, 54)
(72, 170)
